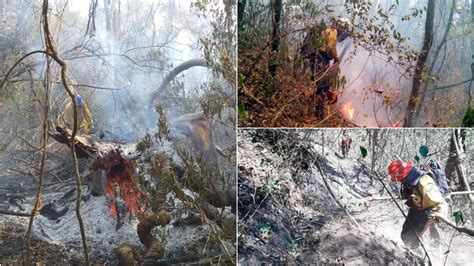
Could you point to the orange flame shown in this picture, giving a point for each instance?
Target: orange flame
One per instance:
(348, 110)
(121, 183)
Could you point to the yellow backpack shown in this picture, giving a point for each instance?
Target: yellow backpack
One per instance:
(426, 194)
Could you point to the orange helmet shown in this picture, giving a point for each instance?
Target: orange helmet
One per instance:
(398, 170)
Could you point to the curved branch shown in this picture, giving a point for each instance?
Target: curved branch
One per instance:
(173, 73)
(454, 85)
(5, 79)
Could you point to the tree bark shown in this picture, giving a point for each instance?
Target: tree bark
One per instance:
(240, 12)
(436, 54)
(421, 65)
(276, 17)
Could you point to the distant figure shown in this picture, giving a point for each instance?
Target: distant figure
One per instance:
(345, 144)
(424, 200)
(84, 117)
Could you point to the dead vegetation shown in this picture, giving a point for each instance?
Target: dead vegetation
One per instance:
(147, 190)
(290, 212)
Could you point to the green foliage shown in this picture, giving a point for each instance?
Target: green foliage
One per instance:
(458, 218)
(265, 228)
(145, 143)
(417, 158)
(241, 79)
(274, 186)
(242, 112)
(424, 150)
(468, 120)
(163, 128)
(363, 151)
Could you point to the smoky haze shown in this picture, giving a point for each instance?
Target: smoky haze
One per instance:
(379, 79)
(121, 54)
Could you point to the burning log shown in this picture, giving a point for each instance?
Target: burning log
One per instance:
(114, 177)
(85, 144)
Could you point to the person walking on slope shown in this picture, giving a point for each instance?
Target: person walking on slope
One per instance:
(345, 144)
(423, 198)
(84, 117)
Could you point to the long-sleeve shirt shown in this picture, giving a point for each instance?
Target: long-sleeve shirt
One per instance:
(329, 36)
(84, 118)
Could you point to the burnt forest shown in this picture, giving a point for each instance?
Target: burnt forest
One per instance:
(117, 132)
(305, 197)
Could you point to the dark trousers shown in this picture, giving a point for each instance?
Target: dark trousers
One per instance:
(323, 63)
(418, 219)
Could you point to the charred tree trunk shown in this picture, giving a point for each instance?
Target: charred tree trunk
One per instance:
(240, 12)
(420, 70)
(436, 54)
(276, 17)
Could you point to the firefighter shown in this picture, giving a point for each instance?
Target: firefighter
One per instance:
(423, 198)
(84, 117)
(320, 50)
(345, 144)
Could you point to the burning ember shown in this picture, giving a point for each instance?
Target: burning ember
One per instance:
(348, 110)
(121, 190)
(396, 124)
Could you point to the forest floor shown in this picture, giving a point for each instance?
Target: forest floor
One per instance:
(56, 237)
(287, 215)
(286, 100)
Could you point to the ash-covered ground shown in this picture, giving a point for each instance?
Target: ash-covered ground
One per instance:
(286, 214)
(56, 237)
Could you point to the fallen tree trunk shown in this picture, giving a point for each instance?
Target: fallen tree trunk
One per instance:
(84, 144)
(173, 73)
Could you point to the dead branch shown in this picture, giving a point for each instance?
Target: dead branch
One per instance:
(144, 228)
(21, 214)
(316, 162)
(50, 47)
(156, 249)
(373, 198)
(459, 166)
(173, 73)
(457, 228)
(5, 79)
(207, 212)
(34, 212)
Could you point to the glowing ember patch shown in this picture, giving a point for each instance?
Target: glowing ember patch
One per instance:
(396, 124)
(348, 110)
(121, 189)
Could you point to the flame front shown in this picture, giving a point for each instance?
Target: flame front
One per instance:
(348, 110)
(121, 186)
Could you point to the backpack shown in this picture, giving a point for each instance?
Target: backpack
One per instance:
(435, 172)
